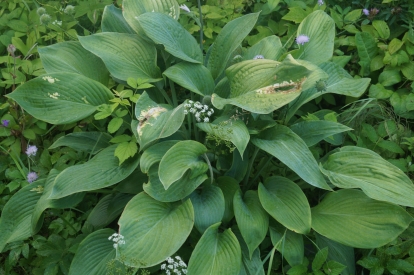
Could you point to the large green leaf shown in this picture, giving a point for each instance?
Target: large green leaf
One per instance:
(156, 121)
(367, 50)
(351, 218)
(154, 154)
(153, 230)
(94, 255)
(338, 252)
(15, 222)
(320, 28)
(288, 243)
(339, 82)
(290, 149)
(269, 47)
(183, 156)
(314, 131)
(270, 84)
(90, 142)
(113, 21)
(229, 38)
(224, 128)
(101, 171)
(163, 29)
(71, 57)
(216, 253)
(61, 98)
(134, 57)
(251, 218)
(177, 191)
(44, 202)
(194, 77)
(286, 203)
(131, 9)
(355, 167)
(208, 206)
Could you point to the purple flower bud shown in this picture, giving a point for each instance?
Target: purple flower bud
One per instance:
(302, 39)
(31, 150)
(31, 177)
(320, 2)
(365, 11)
(259, 56)
(5, 122)
(11, 49)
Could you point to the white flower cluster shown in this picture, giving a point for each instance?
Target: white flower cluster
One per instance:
(118, 239)
(174, 266)
(202, 113)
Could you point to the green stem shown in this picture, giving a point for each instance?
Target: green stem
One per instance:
(164, 94)
(249, 170)
(173, 93)
(201, 25)
(209, 167)
(15, 162)
(260, 170)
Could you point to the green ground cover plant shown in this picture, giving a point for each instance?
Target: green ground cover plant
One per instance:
(164, 155)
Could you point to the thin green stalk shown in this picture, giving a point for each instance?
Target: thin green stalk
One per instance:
(164, 94)
(249, 169)
(260, 170)
(173, 93)
(201, 25)
(209, 167)
(15, 161)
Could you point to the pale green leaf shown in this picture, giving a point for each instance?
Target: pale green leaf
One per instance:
(351, 218)
(250, 265)
(61, 98)
(125, 150)
(367, 50)
(382, 28)
(269, 47)
(113, 21)
(288, 243)
(91, 142)
(154, 154)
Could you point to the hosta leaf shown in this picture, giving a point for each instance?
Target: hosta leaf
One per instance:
(94, 254)
(367, 50)
(153, 230)
(183, 156)
(101, 171)
(250, 265)
(16, 215)
(163, 29)
(224, 128)
(44, 202)
(320, 28)
(113, 21)
(132, 8)
(290, 149)
(61, 98)
(351, 218)
(229, 38)
(134, 57)
(269, 47)
(339, 82)
(208, 206)
(194, 77)
(156, 121)
(154, 154)
(313, 132)
(216, 253)
(228, 186)
(177, 191)
(251, 218)
(338, 252)
(71, 57)
(354, 167)
(288, 243)
(286, 203)
(90, 142)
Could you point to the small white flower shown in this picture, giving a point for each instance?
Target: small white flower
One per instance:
(163, 266)
(209, 113)
(198, 119)
(206, 119)
(205, 107)
(170, 266)
(190, 101)
(197, 115)
(211, 110)
(192, 110)
(185, 8)
(185, 112)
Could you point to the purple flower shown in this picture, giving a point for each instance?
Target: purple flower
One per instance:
(259, 56)
(31, 150)
(365, 11)
(5, 122)
(320, 2)
(302, 39)
(31, 177)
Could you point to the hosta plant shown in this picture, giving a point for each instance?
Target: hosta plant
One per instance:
(203, 155)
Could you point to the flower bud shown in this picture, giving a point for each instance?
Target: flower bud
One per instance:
(69, 10)
(40, 11)
(206, 100)
(11, 49)
(45, 19)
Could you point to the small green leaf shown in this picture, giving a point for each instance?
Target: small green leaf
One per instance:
(115, 124)
(367, 50)
(389, 77)
(288, 243)
(320, 259)
(125, 150)
(183, 156)
(382, 28)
